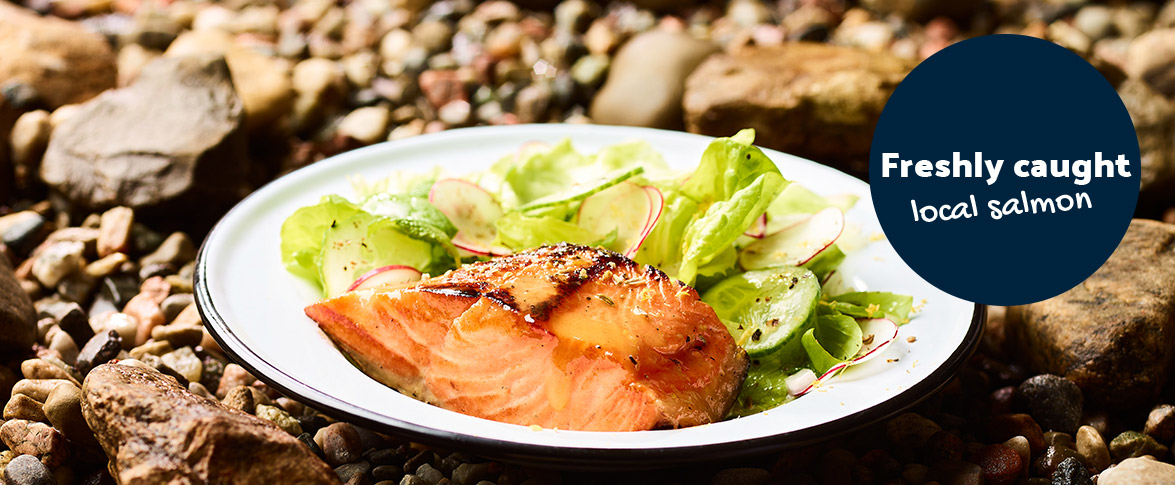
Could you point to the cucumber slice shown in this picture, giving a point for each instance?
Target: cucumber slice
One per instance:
(767, 311)
(362, 243)
(582, 190)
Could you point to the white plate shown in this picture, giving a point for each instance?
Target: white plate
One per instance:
(254, 309)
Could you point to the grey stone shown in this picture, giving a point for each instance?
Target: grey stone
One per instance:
(27, 470)
(99, 350)
(647, 80)
(188, 152)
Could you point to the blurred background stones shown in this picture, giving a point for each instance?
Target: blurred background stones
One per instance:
(127, 127)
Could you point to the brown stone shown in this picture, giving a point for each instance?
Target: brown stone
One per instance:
(37, 439)
(813, 100)
(21, 406)
(187, 152)
(64, 62)
(1153, 116)
(155, 431)
(1112, 334)
(18, 318)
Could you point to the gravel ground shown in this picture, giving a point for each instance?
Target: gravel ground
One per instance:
(107, 276)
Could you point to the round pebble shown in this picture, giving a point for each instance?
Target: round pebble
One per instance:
(1053, 401)
(340, 443)
(27, 470)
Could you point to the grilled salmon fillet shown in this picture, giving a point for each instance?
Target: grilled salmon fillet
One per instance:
(565, 336)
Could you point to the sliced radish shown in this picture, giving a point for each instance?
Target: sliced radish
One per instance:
(799, 382)
(878, 333)
(628, 209)
(758, 229)
(795, 245)
(387, 275)
(824, 378)
(471, 209)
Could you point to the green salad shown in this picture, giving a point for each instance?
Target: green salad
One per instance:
(757, 247)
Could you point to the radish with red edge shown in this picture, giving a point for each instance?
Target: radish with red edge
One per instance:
(758, 229)
(795, 245)
(473, 211)
(878, 334)
(388, 275)
(628, 209)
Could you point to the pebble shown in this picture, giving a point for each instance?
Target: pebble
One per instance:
(147, 314)
(241, 399)
(440, 87)
(430, 474)
(21, 406)
(910, 429)
(1006, 426)
(28, 137)
(943, 445)
(63, 409)
(106, 266)
(433, 35)
(174, 304)
(114, 231)
(233, 376)
(1053, 401)
(37, 439)
(126, 326)
(366, 125)
(64, 345)
(1160, 423)
(1092, 447)
(184, 361)
(1064, 440)
(38, 389)
(279, 417)
(729, 476)
(176, 250)
(41, 368)
(455, 113)
(414, 480)
(350, 470)
(1132, 444)
(22, 231)
(27, 470)
(388, 472)
(179, 335)
(1071, 472)
(1048, 462)
(58, 261)
(99, 350)
(1001, 464)
(1138, 471)
(340, 442)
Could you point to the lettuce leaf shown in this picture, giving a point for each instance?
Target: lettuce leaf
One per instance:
(303, 231)
(834, 339)
(873, 304)
(517, 232)
(662, 248)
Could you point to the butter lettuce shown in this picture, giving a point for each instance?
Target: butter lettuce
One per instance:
(302, 233)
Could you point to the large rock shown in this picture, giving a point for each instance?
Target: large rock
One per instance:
(263, 82)
(647, 79)
(18, 319)
(1154, 121)
(62, 61)
(814, 100)
(1112, 334)
(156, 431)
(170, 141)
(1151, 57)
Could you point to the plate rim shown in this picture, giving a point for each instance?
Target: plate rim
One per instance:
(550, 456)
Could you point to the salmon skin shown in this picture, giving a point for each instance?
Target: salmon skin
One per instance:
(566, 336)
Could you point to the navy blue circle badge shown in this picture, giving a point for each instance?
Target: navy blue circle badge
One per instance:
(1004, 170)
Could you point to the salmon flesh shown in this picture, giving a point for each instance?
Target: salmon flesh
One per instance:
(565, 336)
